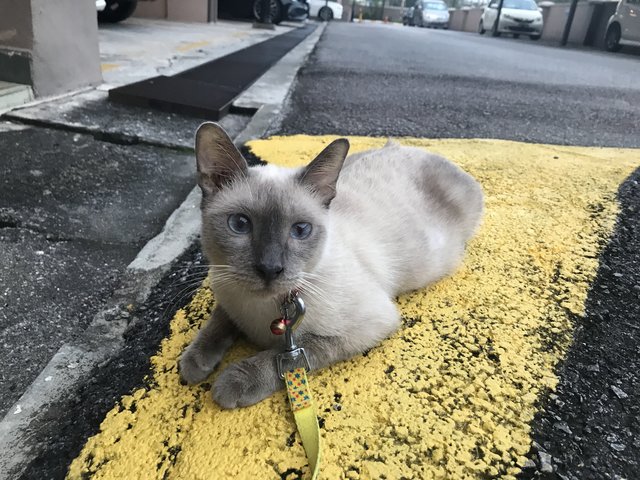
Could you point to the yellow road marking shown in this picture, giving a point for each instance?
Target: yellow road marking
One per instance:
(452, 394)
(185, 47)
(106, 67)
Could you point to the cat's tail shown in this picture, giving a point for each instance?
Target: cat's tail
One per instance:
(391, 143)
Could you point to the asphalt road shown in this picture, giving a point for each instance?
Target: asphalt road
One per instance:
(74, 211)
(369, 79)
(382, 80)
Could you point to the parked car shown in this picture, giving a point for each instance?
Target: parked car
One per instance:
(431, 13)
(517, 17)
(283, 10)
(623, 26)
(324, 10)
(407, 17)
(115, 11)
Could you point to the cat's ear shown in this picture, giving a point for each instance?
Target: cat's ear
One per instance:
(321, 175)
(218, 159)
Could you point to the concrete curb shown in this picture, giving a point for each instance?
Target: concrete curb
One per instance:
(73, 363)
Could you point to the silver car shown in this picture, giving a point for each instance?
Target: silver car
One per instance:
(517, 17)
(431, 13)
(623, 26)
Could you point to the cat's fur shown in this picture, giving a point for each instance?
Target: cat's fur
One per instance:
(387, 221)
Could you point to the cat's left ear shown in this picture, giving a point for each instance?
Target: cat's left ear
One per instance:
(321, 175)
(219, 161)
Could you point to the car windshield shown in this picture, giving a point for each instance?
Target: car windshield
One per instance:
(520, 4)
(434, 6)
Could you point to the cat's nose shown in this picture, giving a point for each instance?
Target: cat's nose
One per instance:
(269, 271)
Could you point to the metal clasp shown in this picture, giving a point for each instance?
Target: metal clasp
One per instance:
(293, 310)
(289, 360)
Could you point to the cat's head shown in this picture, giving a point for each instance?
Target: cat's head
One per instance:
(264, 228)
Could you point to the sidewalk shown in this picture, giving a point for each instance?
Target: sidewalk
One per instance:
(86, 184)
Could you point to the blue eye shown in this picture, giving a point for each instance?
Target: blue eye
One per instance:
(300, 230)
(239, 223)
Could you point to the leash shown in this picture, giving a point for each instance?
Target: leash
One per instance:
(292, 365)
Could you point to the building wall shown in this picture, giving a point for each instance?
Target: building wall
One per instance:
(556, 18)
(15, 26)
(151, 9)
(50, 45)
(178, 10)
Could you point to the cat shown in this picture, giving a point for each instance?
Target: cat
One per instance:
(349, 234)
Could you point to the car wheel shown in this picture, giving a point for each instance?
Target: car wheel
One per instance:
(276, 11)
(534, 37)
(494, 30)
(117, 10)
(612, 38)
(325, 14)
(481, 29)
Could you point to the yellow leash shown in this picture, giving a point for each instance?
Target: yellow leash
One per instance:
(295, 378)
(304, 412)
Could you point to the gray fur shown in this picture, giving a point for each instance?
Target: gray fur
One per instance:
(384, 222)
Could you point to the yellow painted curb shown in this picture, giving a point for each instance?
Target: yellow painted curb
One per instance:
(107, 67)
(188, 46)
(453, 393)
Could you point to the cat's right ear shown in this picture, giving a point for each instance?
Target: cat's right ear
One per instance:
(321, 175)
(219, 161)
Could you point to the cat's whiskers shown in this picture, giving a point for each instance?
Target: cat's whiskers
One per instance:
(313, 291)
(190, 289)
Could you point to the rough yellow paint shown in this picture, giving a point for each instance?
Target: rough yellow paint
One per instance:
(452, 394)
(188, 46)
(107, 67)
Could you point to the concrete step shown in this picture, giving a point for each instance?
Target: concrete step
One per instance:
(14, 94)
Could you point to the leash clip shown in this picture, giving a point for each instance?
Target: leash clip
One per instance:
(292, 310)
(290, 360)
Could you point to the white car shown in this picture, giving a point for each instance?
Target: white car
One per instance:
(623, 26)
(324, 10)
(518, 17)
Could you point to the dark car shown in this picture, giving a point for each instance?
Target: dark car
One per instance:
(283, 10)
(407, 16)
(113, 11)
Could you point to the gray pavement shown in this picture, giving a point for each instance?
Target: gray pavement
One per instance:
(74, 212)
(435, 83)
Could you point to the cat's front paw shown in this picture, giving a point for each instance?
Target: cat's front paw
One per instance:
(196, 365)
(243, 384)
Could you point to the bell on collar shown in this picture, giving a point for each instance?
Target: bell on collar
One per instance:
(279, 326)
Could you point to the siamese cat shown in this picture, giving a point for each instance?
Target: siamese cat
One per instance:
(347, 234)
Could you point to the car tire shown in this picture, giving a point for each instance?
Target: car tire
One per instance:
(535, 37)
(494, 30)
(481, 29)
(277, 14)
(612, 38)
(117, 11)
(325, 14)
